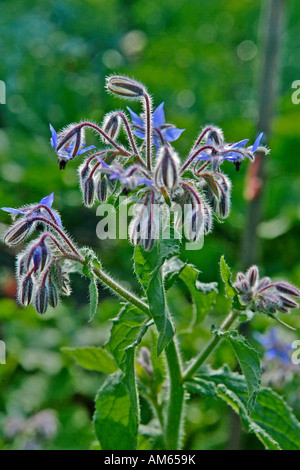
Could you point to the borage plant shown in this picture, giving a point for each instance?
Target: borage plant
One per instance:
(152, 174)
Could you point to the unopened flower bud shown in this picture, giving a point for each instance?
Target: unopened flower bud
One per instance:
(40, 255)
(89, 192)
(166, 172)
(264, 282)
(111, 126)
(144, 359)
(287, 302)
(216, 136)
(41, 298)
(207, 219)
(18, 232)
(53, 296)
(25, 291)
(125, 87)
(101, 188)
(194, 223)
(286, 288)
(252, 275)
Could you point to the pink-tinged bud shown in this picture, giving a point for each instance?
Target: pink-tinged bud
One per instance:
(125, 87)
(245, 286)
(111, 126)
(240, 277)
(264, 282)
(286, 288)
(167, 172)
(252, 275)
(41, 299)
(18, 232)
(25, 291)
(287, 302)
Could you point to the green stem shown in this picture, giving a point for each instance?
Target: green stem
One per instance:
(176, 398)
(121, 291)
(176, 391)
(201, 358)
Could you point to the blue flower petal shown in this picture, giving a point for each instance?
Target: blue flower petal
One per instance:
(86, 149)
(257, 142)
(158, 117)
(11, 210)
(139, 133)
(48, 200)
(54, 137)
(240, 144)
(172, 134)
(136, 120)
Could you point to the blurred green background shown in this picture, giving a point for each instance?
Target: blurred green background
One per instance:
(203, 59)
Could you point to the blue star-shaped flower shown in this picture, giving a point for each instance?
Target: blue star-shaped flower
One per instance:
(275, 349)
(168, 132)
(45, 201)
(66, 152)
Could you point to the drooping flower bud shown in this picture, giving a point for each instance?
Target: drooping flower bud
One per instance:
(167, 172)
(111, 126)
(18, 232)
(125, 87)
(89, 191)
(53, 296)
(102, 188)
(216, 136)
(41, 298)
(39, 254)
(25, 290)
(143, 229)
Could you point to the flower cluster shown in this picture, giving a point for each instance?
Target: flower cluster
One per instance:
(263, 295)
(157, 177)
(41, 272)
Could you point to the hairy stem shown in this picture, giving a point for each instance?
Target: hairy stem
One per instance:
(204, 355)
(176, 398)
(148, 109)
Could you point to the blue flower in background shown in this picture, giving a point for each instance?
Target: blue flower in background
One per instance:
(275, 348)
(227, 151)
(168, 132)
(45, 201)
(70, 149)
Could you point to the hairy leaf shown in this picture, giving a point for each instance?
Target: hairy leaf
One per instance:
(249, 361)
(92, 358)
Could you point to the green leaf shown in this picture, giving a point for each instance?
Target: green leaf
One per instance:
(272, 420)
(148, 268)
(230, 290)
(249, 361)
(115, 420)
(127, 328)
(93, 290)
(91, 262)
(226, 276)
(92, 358)
(203, 295)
